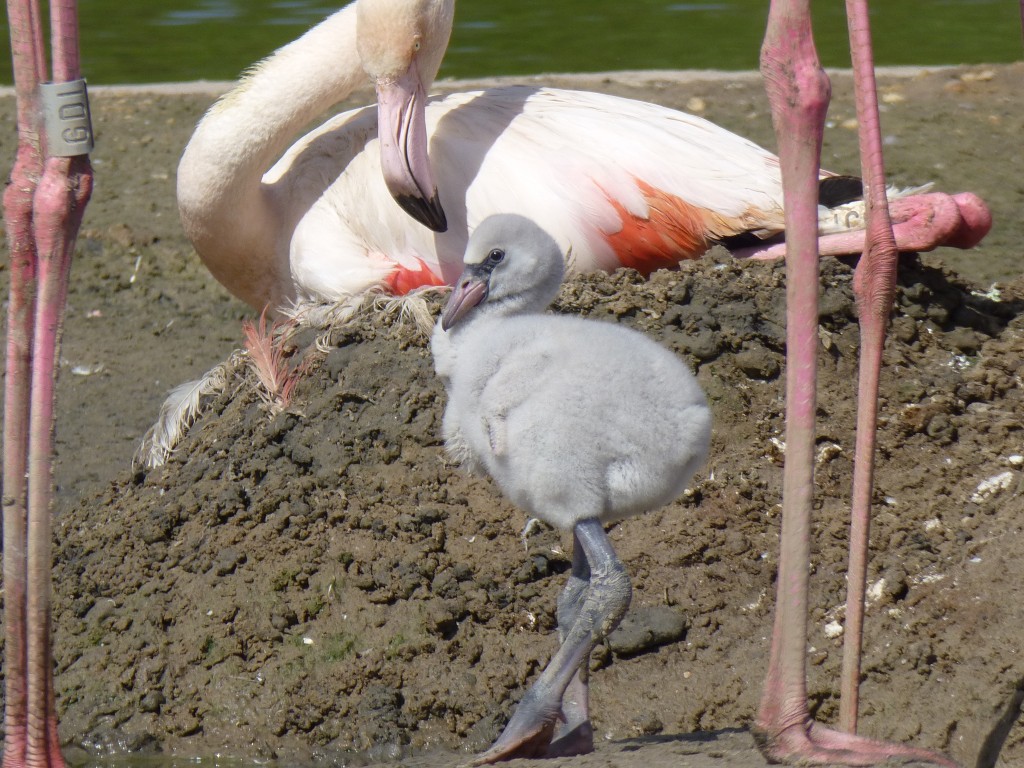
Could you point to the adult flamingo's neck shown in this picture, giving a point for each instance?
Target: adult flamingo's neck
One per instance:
(226, 210)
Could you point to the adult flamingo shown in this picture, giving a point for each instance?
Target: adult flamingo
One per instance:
(43, 205)
(620, 182)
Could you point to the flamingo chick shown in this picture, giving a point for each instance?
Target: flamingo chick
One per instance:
(580, 423)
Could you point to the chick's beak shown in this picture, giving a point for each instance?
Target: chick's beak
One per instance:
(469, 291)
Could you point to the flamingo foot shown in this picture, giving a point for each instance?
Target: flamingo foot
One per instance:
(528, 734)
(920, 223)
(810, 743)
(542, 728)
(976, 221)
(536, 738)
(578, 740)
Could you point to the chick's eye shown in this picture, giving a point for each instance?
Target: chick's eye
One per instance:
(495, 256)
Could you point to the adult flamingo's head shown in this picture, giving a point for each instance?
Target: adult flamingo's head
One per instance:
(401, 44)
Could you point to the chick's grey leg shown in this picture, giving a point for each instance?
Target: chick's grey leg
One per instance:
(592, 608)
(575, 735)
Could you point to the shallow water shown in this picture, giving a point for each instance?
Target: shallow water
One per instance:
(82, 760)
(216, 39)
(382, 754)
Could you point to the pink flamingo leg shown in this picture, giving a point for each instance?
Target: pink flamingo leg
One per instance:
(875, 288)
(26, 45)
(798, 91)
(43, 207)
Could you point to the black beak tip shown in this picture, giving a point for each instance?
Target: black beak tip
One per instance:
(429, 213)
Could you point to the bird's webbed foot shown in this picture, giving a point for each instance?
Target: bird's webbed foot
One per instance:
(538, 731)
(571, 741)
(530, 731)
(811, 743)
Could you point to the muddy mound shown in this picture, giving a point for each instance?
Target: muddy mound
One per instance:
(320, 579)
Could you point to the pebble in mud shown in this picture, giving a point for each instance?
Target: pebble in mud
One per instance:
(757, 362)
(647, 627)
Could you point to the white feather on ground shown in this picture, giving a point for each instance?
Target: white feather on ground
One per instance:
(179, 411)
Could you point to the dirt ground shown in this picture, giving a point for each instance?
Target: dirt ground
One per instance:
(320, 584)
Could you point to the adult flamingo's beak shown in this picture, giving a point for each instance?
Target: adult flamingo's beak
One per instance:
(402, 129)
(469, 291)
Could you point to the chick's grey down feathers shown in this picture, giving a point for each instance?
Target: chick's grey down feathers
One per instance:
(572, 418)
